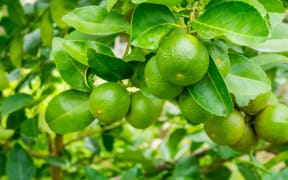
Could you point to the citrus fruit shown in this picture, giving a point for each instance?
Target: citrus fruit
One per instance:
(271, 124)
(157, 85)
(257, 104)
(248, 140)
(182, 59)
(225, 130)
(109, 102)
(141, 113)
(68, 112)
(191, 110)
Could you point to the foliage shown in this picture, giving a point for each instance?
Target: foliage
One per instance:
(55, 52)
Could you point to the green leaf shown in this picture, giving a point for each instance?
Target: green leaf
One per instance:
(273, 5)
(3, 79)
(68, 112)
(92, 145)
(96, 20)
(132, 174)
(248, 171)
(78, 49)
(246, 80)
(15, 119)
(211, 93)
(5, 134)
(70, 70)
(29, 128)
(93, 174)
(16, 50)
(108, 67)
(281, 157)
(3, 159)
(174, 140)
(76, 35)
(46, 30)
(147, 32)
(110, 4)
(59, 8)
(136, 54)
(16, 12)
(230, 20)
(20, 164)
(269, 61)
(15, 102)
(108, 141)
(56, 161)
(187, 167)
(163, 2)
(220, 172)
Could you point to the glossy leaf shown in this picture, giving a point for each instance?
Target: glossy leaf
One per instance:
(136, 54)
(147, 32)
(70, 70)
(108, 67)
(5, 134)
(273, 5)
(93, 174)
(221, 172)
(3, 79)
(108, 141)
(68, 112)
(29, 128)
(46, 30)
(211, 93)
(133, 173)
(16, 50)
(15, 119)
(78, 49)
(58, 9)
(15, 102)
(230, 20)
(174, 140)
(269, 61)
(110, 4)
(96, 20)
(163, 2)
(16, 12)
(246, 80)
(20, 164)
(76, 35)
(248, 171)
(187, 167)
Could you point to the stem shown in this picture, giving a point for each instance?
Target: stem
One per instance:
(56, 173)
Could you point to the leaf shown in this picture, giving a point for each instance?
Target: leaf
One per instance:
(133, 173)
(29, 128)
(137, 54)
(16, 50)
(147, 32)
(187, 167)
(46, 30)
(96, 20)
(269, 61)
(163, 2)
(20, 164)
(58, 9)
(56, 161)
(78, 49)
(92, 145)
(110, 4)
(16, 12)
(174, 140)
(70, 70)
(281, 157)
(76, 35)
(32, 41)
(246, 80)
(15, 102)
(229, 20)
(108, 141)
(3, 79)
(68, 112)
(107, 67)
(3, 159)
(273, 5)
(248, 171)
(5, 134)
(93, 174)
(211, 93)
(15, 119)
(220, 172)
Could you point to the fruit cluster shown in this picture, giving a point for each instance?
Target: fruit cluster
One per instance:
(180, 62)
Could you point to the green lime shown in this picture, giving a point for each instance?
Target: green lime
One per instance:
(271, 124)
(225, 130)
(182, 59)
(248, 140)
(157, 85)
(109, 102)
(141, 113)
(257, 104)
(191, 110)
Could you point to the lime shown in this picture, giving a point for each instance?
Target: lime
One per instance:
(109, 102)
(141, 113)
(271, 124)
(157, 85)
(182, 59)
(225, 130)
(191, 110)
